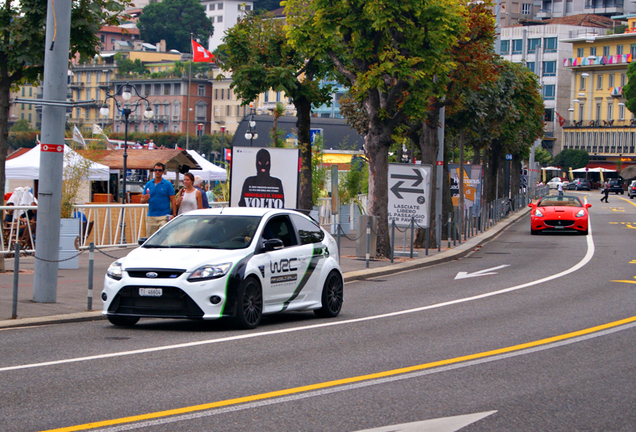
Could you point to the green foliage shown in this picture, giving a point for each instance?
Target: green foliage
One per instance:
(76, 171)
(21, 125)
(22, 139)
(173, 21)
(279, 111)
(318, 172)
(619, 29)
(571, 159)
(542, 156)
(354, 182)
(127, 66)
(629, 89)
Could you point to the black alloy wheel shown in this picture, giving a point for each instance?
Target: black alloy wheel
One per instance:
(332, 296)
(250, 307)
(123, 321)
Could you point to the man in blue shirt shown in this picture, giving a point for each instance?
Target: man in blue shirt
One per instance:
(198, 182)
(159, 194)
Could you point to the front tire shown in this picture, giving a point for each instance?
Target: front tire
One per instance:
(533, 231)
(332, 296)
(249, 310)
(123, 321)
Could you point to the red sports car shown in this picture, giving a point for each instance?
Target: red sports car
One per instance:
(554, 213)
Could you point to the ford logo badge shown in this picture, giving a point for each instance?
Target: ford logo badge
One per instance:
(151, 275)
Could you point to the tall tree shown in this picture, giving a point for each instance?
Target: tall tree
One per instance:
(260, 58)
(387, 51)
(629, 90)
(174, 21)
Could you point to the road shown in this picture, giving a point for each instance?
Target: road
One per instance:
(527, 333)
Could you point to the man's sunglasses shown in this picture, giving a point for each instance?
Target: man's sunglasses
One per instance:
(158, 170)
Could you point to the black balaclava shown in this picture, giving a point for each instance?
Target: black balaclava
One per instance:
(262, 163)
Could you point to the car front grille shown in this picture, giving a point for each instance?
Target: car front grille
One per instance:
(559, 223)
(155, 273)
(173, 303)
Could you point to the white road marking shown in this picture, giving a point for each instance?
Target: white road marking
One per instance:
(465, 275)
(586, 259)
(445, 424)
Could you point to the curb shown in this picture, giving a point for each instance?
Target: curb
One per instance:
(457, 252)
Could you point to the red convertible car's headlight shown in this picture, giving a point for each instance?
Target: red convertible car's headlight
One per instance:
(538, 213)
(581, 213)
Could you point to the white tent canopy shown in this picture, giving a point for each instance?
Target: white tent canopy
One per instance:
(551, 168)
(209, 171)
(578, 170)
(27, 166)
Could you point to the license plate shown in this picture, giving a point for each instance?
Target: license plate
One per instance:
(150, 292)
(559, 227)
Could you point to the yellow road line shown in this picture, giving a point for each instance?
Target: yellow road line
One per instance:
(628, 200)
(625, 281)
(334, 383)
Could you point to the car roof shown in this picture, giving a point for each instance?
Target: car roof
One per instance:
(241, 211)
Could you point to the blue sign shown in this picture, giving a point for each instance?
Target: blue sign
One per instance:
(508, 157)
(313, 133)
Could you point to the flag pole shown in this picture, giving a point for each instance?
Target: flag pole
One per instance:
(188, 101)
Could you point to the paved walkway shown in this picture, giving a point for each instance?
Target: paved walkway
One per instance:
(72, 286)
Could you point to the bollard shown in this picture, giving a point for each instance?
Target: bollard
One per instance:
(16, 271)
(91, 256)
(426, 240)
(412, 233)
(450, 219)
(392, 239)
(338, 237)
(439, 240)
(368, 241)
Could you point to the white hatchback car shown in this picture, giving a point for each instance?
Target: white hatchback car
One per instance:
(554, 182)
(234, 262)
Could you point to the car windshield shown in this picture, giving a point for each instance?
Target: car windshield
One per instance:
(206, 232)
(567, 201)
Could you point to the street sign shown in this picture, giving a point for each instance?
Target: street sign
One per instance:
(409, 194)
(313, 133)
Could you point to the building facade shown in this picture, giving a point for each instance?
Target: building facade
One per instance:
(542, 49)
(599, 121)
(224, 14)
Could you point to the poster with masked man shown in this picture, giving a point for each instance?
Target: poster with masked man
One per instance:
(264, 177)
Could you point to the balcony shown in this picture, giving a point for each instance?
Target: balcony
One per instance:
(160, 119)
(602, 124)
(76, 84)
(103, 84)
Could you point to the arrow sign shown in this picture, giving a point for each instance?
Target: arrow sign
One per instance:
(417, 178)
(465, 275)
(396, 189)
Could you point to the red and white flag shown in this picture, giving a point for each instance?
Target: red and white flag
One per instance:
(561, 119)
(200, 54)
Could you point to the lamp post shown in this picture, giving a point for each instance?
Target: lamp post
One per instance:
(126, 110)
(200, 133)
(251, 134)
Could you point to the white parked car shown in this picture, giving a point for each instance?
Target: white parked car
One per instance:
(240, 263)
(554, 183)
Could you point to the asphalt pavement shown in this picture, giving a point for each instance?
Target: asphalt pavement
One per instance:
(73, 296)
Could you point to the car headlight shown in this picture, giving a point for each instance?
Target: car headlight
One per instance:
(538, 213)
(581, 213)
(114, 270)
(209, 272)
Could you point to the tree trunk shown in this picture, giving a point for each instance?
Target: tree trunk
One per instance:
(376, 146)
(303, 123)
(429, 146)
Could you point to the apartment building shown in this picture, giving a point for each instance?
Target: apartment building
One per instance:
(25, 111)
(224, 14)
(599, 121)
(542, 49)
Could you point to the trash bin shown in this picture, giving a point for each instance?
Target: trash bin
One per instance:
(361, 243)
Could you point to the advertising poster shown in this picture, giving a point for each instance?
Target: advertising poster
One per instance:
(264, 177)
(472, 185)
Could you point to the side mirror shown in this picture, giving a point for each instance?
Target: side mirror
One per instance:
(532, 205)
(588, 205)
(142, 240)
(272, 244)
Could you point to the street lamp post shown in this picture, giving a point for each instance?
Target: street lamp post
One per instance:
(200, 133)
(126, 110)
(251, 134)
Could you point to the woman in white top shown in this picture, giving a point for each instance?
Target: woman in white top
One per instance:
(189, 197)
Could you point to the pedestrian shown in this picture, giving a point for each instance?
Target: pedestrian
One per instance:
(605, 191)
(159, 194)
(189, 197)
(151, 145)
(209, 194)
(560, 189)
(198, 182)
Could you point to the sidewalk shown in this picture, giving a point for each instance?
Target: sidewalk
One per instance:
(72, 287)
